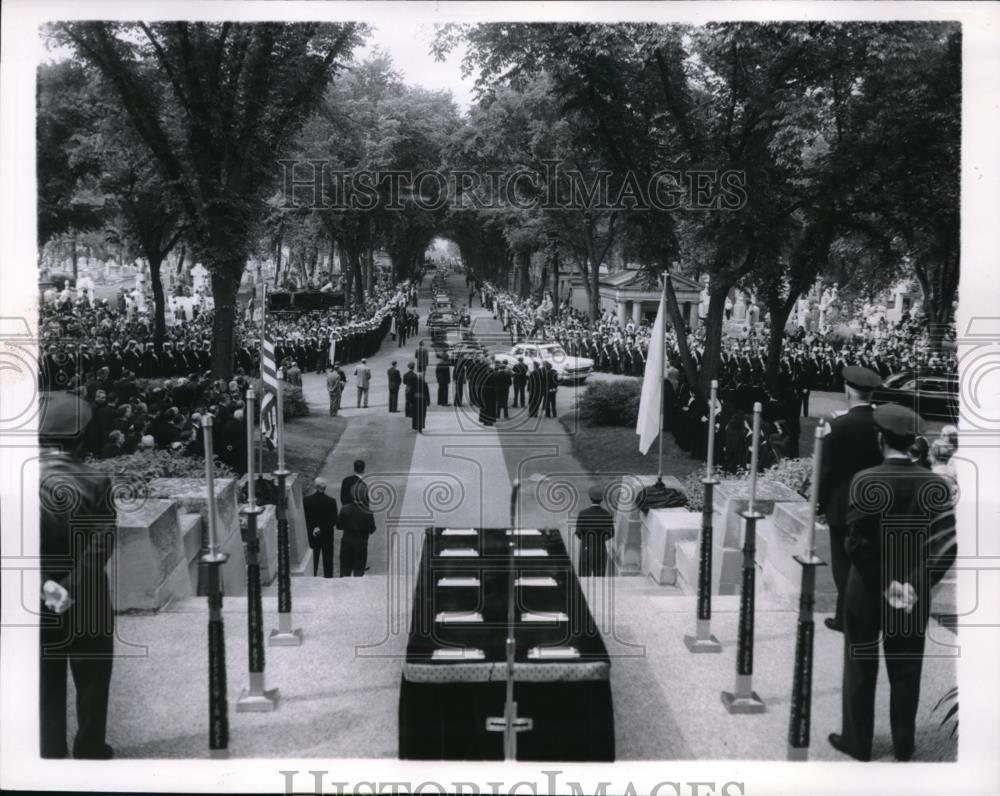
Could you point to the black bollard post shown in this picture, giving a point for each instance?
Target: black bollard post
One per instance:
(213, 559)
(743, 699)
(703, 640)
(254, 698)
(801, 701)
(284, 636)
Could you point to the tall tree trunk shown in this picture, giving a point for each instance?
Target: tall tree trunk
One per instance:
(357, 276)
(180, 259)
(778, 310)
(225, 284)
(277, 260)
(524, 275)
(159, 304)
(555, 278)
(595, 290)
(73, 254)
(371, 269)
(345, 269)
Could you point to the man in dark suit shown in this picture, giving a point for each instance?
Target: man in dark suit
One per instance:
(551, 386)
(357, 523)
(421, 400)
(503, 381)
(321, 518)
(353, 487)
(519, 374)
(76, 618)
(850, 446)
(422, 357)
(443, 375)
(594, 527)
(461, 369)
(901, 543)
(395, 379)
(409, 382)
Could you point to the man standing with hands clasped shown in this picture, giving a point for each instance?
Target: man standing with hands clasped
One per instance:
(76, 619)
(901, 543)
(321, 517)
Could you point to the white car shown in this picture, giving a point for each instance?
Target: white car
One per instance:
(569, 368)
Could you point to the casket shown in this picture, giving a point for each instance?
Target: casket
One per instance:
(454, 679)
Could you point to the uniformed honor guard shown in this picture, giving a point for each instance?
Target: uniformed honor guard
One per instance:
(76, 617)
(409, 380)
(901, 544)
(850, 446)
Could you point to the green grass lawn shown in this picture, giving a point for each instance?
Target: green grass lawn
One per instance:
(615, 449)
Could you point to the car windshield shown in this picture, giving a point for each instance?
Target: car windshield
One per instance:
(553, 352)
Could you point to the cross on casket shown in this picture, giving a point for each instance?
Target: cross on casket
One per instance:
(509, 723)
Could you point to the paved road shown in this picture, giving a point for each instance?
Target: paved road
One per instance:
(458, 472)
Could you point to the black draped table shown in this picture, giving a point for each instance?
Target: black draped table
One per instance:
(455, 676)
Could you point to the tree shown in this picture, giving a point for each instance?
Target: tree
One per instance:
(216, 104)
(65, 109)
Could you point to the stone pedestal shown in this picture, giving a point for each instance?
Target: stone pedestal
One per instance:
(300, 553)
(729, 499)
(191, 496)
(626, 546)
(148, 568)
(267, 532)
(662, 531)
(781, 537)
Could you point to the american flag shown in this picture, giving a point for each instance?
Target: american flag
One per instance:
(269, 400)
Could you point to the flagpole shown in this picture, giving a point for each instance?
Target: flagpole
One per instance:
(263, 386)
(663, 375)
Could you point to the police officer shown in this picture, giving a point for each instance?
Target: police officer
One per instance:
(76, 619)
(851, 445)
(901, 543)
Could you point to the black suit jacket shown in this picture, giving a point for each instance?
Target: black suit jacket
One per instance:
(351, 490)
(594, 527)
(321, 512)
(78, 521)
(850, 447)
(902, 527)
(356, 522)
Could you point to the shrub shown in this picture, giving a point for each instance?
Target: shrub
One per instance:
(611, 403)
(793, 473)
(295, 402)
(146, 465)
(694, 489)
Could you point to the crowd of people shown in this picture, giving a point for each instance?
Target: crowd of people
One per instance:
(148, 399)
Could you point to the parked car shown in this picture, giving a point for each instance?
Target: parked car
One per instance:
(454, 344)
(931, 395)
(569, 368)
(438, 322)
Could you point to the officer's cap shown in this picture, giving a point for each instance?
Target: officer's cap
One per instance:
(898, 420)
(861, 378)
